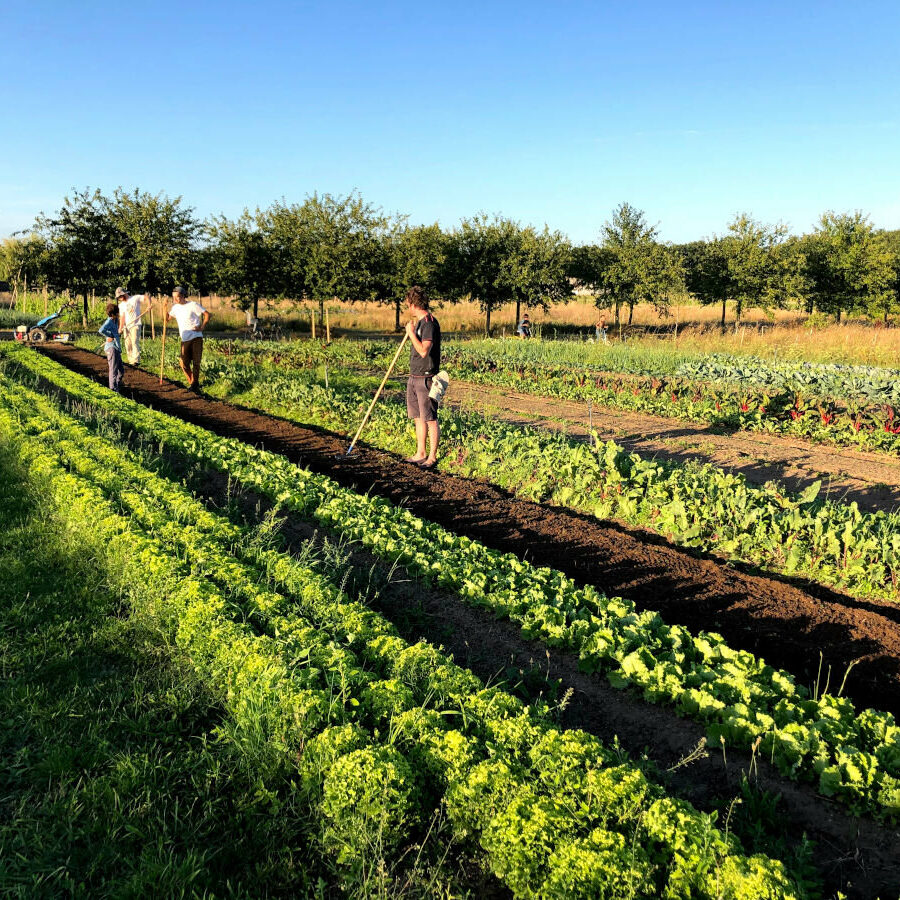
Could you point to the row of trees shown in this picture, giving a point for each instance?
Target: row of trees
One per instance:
(342, 247)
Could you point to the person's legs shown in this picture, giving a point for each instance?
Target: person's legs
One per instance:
(120, 371)
(133, 344)
(116, 368)
(111, 364)
(421, 434)
(196, 356)
(134, 355)
(428, 409)
(412, 410)
(434, 433)
(185, 360)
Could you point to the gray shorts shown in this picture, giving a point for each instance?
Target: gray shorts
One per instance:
(418, 404)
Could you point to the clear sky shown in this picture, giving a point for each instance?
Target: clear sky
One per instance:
(549, 112)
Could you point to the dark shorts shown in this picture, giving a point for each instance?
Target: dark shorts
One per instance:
(418, 404)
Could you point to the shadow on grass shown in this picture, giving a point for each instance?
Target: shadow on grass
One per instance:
(112, 779)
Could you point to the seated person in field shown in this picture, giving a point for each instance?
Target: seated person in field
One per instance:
(601, 330)
(524, 329)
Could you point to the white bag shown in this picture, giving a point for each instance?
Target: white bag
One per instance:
(439, 385)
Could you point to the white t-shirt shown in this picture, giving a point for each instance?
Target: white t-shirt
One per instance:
(131, 309)
(189, 317)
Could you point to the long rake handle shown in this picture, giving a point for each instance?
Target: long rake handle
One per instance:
(377, 395)
(162, 355)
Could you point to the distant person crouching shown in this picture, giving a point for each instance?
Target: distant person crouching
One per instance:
(113, 349)
(524, 329)
(192, 319)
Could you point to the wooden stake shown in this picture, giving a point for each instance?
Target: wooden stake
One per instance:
(152, 326)
(327, 327)
(162, 355)
(313, 320)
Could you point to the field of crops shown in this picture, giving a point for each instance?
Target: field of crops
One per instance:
(554, 668)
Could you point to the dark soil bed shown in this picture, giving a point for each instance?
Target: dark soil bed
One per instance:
(787, 625)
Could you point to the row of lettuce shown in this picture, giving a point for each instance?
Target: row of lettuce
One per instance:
(847, 419)
(698, 505)
(852, 755)
(381, 732)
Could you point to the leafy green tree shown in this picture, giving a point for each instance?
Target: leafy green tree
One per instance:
(707, 276)
(24, 259)
(241, 258)
(640, 269)
(587, 266)
(539, 270)
(496, 261)
(763, 270)
(849, 267)
(154, 238)
(80, 238)
(328, 247)
(412, 255)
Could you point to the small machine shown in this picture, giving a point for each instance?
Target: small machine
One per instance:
(38, 333)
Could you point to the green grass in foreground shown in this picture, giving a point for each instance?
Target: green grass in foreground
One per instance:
(113, 782)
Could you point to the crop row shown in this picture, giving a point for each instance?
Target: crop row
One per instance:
(854, 756)
(379, 727)
(854, 420)
(698, 505)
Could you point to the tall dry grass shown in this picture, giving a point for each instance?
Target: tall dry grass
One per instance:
(689, 328)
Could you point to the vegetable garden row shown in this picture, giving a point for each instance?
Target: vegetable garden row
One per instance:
(382, 733)
(698, 505)
(857, 418)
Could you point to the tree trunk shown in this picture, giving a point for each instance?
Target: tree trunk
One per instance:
(487, 322)
(397, 314)
(255, 306)
(630, 311)
(84, 309)
(518, 313)
(322, 312)
(837, 317)
(617, 312)
(724, 301)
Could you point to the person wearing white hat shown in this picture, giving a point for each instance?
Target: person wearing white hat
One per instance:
(130, 323)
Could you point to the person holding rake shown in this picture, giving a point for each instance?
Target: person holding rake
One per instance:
(424, 334)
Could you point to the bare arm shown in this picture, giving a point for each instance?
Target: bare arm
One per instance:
(421, 347)
(205, 321)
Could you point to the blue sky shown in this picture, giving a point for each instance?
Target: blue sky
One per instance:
(544, 112)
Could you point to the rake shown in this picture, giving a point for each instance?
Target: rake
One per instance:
(377, 395)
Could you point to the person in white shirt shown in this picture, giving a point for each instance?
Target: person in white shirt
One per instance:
(130, 322)
(192, 318)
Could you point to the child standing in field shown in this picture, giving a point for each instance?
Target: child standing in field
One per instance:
(110, 330)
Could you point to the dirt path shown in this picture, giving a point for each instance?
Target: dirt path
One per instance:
(871, 479)
(779, 621)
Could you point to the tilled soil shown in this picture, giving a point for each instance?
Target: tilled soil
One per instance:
(871, 479)
(789, 625)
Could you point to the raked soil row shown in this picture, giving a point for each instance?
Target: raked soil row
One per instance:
(784, 624)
